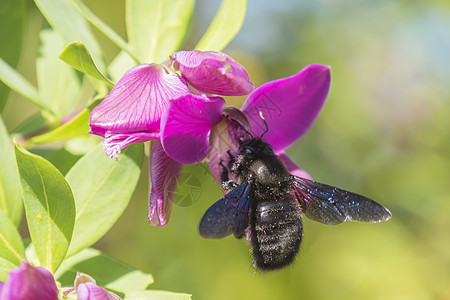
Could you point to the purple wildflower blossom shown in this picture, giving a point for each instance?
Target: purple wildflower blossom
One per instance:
(36, 283)
(290, 106)
(137, 109)
(131, 113)
(87, 289)
(29, 283)
(212, 72)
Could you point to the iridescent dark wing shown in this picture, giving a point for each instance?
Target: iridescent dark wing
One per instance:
(228, 215)
(331, 205)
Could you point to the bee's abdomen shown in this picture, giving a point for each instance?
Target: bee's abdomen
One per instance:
(276, 233)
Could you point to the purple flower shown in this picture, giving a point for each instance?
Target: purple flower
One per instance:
(290, 106)
(29, 283)
(36, 283)
(197, 127)
(212, 72)
(131, 113)
(87, 289)
(137, 108)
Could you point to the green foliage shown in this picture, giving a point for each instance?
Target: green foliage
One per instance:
(157, 295)
(156, 28)
(10, 197)
(225, 25)
(105, 29)
(49, 207)
(15, 81)
(11, 246)
(102, 188)
(58, 83)
(76, 127)
(11, 12)
(77, 55)
(67, 20)
(107, 271)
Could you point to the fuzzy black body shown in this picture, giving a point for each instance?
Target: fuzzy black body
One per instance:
(275, 216)
(276, 233)
(267, 203)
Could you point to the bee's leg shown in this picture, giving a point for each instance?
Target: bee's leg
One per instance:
(231, 160)
(227, 184)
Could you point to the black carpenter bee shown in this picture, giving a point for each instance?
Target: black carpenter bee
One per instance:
(267, 202)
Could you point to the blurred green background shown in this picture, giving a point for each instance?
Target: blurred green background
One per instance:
(384, 132)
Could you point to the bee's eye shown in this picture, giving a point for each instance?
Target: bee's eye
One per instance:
(247, 150)
(269, 149)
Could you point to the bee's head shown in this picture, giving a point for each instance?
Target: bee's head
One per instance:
(255, 148)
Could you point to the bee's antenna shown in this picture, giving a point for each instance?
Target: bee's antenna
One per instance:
(265, 123)
(240, 125)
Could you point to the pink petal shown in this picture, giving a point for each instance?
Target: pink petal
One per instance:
(114, 143)
(134, 106)
(289, 105)
(186, 125)
(90, 291)
(29, 283)
(213, 72)
(224, 137)
(292, 166)
(164, 173)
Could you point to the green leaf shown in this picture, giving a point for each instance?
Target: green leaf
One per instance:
(5, 266)
(49, 207)
(11, 12)
(29, 125)
(156, 295)
(76, 127)
(156, 28)
(18, 83)
(10, 197)
(67, 20)
(102, 188)
(105, 29)
(11, 246)
(106, 271)
(58, 83)
(77, 55)
(225, 26)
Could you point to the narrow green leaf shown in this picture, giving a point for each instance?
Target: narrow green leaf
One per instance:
(11, 246)
(102, 188)
(49, 207)
(156, 28)
(67, 20)
(105, 29)
(77, 55)
(225, 26)
(5, 266)
(11, 12)
(105, 270)
(10, 197)
(58, 83)
(77, 126)
(18, 83)
(29, 125)
(156, 295)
